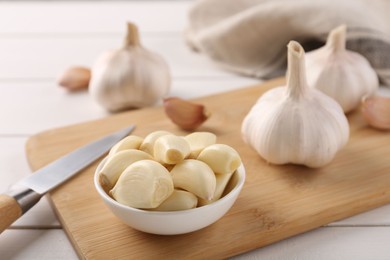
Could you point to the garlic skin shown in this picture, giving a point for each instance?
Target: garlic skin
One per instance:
(130, 77)
(344, 75)
(75, 78)
(294, 123)
(376, 111)
(185, 114)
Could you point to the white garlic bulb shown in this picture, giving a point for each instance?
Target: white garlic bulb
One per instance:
(295, 123)
(344, 75)
(130, 77)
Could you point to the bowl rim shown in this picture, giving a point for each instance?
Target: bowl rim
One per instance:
(240, 170)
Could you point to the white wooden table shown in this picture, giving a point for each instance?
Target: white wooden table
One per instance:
(38, 40)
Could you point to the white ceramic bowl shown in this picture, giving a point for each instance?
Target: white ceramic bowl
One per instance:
(174, 222)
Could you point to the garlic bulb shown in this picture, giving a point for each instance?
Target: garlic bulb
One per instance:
(295, 123)
(129, 77)
(343, 75)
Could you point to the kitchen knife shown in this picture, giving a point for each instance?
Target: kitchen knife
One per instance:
(27, 192)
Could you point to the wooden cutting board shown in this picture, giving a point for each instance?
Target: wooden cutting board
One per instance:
(276, 202)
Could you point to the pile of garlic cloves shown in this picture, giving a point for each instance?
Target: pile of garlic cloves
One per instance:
(166, 172)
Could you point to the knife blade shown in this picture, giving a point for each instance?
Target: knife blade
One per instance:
(28, 191)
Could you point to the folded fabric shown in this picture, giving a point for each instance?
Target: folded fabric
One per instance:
(250, 36)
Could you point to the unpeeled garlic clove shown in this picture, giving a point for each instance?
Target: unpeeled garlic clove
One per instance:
(185, 114)
(179, 200)
(129, 142)
(117, 163)
(75, 78)
(148, 143)
(171, 149)
(144, 184)
(221, 158)
(198, 141)
(196, 177)
(376, 111)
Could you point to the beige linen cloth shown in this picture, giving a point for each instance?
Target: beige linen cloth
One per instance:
(250, 36)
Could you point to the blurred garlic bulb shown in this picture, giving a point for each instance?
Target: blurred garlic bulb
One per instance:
(129, 77)
(343, 75)
(295, 123)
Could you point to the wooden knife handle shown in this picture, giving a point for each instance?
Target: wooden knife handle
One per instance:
(10, 211)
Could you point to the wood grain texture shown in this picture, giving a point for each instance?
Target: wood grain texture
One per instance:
(276, 202)
(9, 211)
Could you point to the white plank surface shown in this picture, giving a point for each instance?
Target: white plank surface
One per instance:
(36, 244)
(47, 57)
(342, 243)
(91, 16)
(36, 106)
(38, 40)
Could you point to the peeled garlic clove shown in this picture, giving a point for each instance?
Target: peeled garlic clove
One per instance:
(295, 123)
(129, 142)
(171, 149)
(75, 78)
(198, 141)
(144, 184)
(130, 77)
(221, 158)
(344, 75)
(185, 114)
(117, 163)
(179, 200)
(376, 111)
(222, 181)
(196, 177)
(148, 143)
